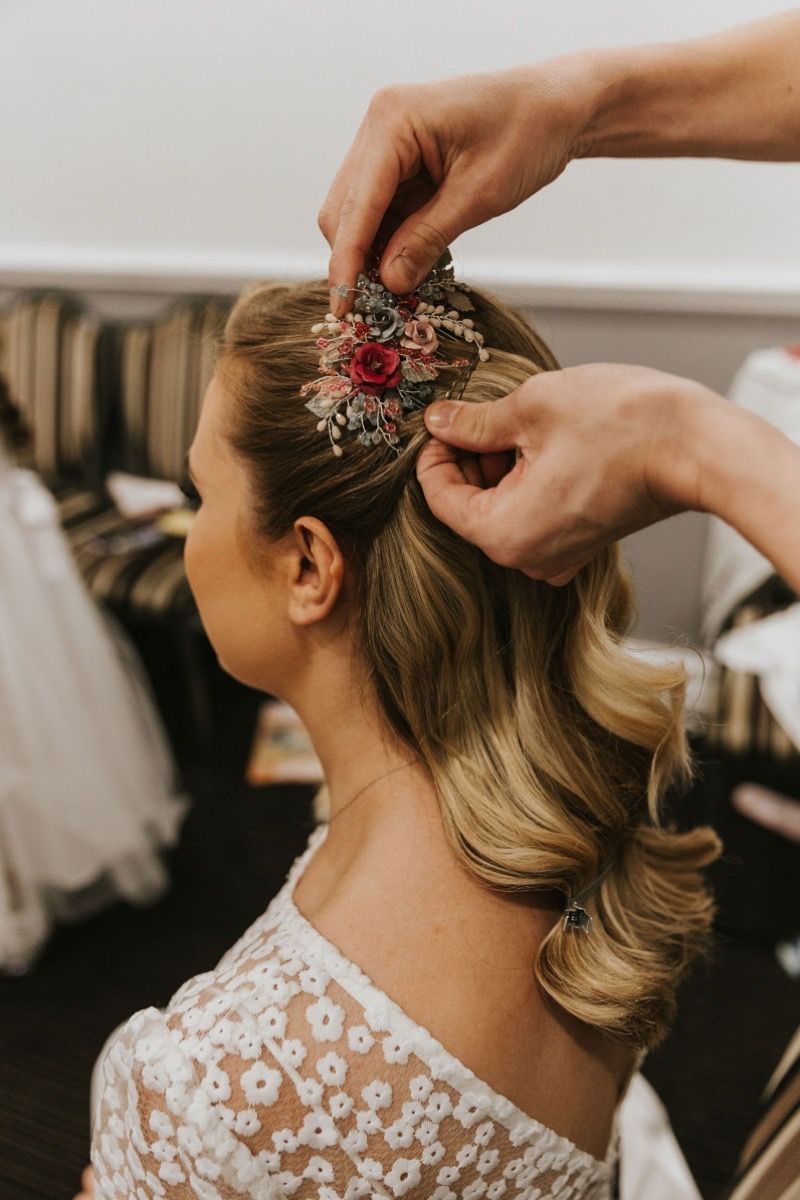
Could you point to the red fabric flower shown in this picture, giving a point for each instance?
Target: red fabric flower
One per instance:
(375, 366)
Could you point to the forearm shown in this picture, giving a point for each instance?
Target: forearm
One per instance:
(734, 94)
(748, 474)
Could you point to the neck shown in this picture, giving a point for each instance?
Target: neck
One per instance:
(358, 749)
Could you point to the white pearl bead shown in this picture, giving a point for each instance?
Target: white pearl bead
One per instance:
(321, 425)
(469, 336)
(336, 433)
(484, 355)
(318, 328)
(338, 451)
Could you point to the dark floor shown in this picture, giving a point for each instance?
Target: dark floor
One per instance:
(736, 1013)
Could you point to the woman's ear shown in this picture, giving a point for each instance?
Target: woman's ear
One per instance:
(316, 571)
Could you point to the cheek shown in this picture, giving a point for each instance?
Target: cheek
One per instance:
(233, 603)
(195, 559)
(215, 578)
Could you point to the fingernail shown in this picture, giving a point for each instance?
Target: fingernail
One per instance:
(338, 294)
(440, 415)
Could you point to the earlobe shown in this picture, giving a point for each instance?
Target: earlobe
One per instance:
(317, 572)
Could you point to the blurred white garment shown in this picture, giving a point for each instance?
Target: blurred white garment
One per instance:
(700, 668)
(768, 384)
(87, 781)
(652, 1166)
(770, 649)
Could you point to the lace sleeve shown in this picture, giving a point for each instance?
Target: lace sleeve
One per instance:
(195, 1107)
(221, 1100)
(268, 1079)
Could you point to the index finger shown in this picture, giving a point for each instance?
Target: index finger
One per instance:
(367, 187)
(451, 498)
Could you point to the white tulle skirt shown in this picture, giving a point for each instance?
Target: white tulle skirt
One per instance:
(87, 781)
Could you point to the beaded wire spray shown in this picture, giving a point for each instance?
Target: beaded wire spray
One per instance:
(378, 361)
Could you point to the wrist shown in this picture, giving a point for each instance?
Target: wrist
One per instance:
(751, 476)
(580, 80)
(683, 470)
(645, 101)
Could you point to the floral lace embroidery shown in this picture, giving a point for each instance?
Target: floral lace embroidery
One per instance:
(286, 1073)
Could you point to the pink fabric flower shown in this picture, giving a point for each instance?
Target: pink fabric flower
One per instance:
(420, 335)
(375, 366)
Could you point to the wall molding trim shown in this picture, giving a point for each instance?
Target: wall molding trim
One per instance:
(609, 287)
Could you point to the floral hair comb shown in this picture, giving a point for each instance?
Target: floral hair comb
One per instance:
(377, 361)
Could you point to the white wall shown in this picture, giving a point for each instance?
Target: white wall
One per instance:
(180, 138)
(153, 146)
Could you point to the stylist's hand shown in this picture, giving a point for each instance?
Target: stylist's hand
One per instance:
(432, 160)
(601, 450)
(87, 1185)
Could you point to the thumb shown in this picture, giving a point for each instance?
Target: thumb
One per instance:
(421, 240)
(481, 427)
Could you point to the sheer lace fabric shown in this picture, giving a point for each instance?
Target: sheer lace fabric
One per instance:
(286, 1072)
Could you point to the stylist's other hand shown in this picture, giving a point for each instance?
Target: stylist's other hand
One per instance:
(545, 477)
(432, 160)
(87, 1185)
(771, 809)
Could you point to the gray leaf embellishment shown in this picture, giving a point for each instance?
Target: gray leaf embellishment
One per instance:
(460, 301)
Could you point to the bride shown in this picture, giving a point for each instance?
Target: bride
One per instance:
(450, 994)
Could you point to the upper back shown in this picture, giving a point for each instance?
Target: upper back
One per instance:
(458, 960)
(288, 1071)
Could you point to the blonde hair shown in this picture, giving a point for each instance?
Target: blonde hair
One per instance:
(548, 743)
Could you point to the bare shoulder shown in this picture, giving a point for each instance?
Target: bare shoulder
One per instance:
(457, 959)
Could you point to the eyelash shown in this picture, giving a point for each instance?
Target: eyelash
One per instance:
(190, 492)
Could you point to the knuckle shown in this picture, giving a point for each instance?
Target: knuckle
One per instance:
(385, 102)
(502, 555)
(489, 200)
(325, 222)
(429, 238)
(477, 417)
(349, 201)
(532, 398)
(504, 551)
(515, 407)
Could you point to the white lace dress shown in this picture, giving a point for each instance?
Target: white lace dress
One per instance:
(286, 1072)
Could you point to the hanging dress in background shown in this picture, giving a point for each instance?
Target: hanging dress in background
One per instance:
(87, 782)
